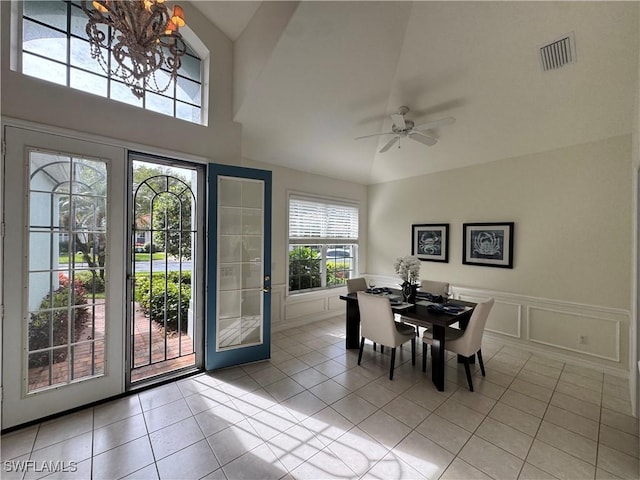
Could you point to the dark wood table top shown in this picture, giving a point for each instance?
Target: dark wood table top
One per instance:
(421, 314)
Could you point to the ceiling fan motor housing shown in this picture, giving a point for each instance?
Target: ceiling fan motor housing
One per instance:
(403, 131)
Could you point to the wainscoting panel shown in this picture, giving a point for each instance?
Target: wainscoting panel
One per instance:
(575, 331)
(277, 306)
(505, 317)
(305, 308)
(568, 330)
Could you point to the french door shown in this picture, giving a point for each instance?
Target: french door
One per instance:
(239, 266)
(166, 268)
(64, 213)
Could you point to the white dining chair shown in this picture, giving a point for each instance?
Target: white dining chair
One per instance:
(466, 342)
(435, 288)
(359, 285)
(378, 325)
(356, 285)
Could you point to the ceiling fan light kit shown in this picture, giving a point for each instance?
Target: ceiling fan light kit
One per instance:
(405, 128)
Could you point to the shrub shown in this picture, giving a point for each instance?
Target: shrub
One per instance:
(64, 247)
(148, 247)
(90, 281)
(156, 301)
(304, 268)
(51, 310)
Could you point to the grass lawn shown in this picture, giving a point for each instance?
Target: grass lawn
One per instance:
(144, 257)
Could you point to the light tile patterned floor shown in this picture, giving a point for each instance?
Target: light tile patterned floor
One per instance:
(311, 412)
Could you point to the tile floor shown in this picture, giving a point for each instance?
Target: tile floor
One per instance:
(311, 412)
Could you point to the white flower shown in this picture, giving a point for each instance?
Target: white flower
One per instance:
(408, 267)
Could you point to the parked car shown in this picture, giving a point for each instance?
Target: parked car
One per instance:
(338, 253)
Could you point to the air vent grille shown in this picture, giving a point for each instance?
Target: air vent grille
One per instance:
(559, 53)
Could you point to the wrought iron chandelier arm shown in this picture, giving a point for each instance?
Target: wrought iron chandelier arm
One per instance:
(143, 39)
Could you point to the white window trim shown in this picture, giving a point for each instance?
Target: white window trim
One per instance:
(319, 240)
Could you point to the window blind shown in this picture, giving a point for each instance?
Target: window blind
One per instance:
(322, 221)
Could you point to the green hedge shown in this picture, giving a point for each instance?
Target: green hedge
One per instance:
(90, 281)
(40, 334)
(156, 301)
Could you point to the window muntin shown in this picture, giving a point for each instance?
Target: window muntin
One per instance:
(55, 48)
(323, 243)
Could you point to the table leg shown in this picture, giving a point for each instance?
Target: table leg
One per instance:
(352, 327)
(437, 357)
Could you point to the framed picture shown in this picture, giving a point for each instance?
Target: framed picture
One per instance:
(430, 242)
(488, 244)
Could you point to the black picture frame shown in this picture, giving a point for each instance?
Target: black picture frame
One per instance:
(488, 244)
(430, 242)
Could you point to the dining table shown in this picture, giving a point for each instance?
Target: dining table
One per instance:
(422, 313)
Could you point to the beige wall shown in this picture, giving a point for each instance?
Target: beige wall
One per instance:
(569, 293)
(35, 100)
(571, 211)
(287, 180)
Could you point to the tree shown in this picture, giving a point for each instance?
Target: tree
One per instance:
(163, 202)
(83, 213)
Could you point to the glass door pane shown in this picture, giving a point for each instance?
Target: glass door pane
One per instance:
(66, 274)
(240, 269)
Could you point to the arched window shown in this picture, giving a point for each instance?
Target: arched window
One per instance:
(55, 48)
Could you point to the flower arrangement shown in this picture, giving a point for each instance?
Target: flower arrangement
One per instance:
(408, 267)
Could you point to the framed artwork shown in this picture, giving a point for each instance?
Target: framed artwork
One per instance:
(488, 244)
(430, 242)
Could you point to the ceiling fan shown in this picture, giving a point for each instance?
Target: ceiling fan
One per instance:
(404, 128)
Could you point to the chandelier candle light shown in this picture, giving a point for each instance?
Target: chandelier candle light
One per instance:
(408, 268)
(143, 37)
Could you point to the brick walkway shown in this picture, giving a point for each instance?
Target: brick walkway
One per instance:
(179, 349)
(146, 334)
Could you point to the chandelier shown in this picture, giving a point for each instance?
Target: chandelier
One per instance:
(142, 36)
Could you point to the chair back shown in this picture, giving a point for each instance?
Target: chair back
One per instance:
(471, 340)
(435, 288)
(376, 319)
(356, 285)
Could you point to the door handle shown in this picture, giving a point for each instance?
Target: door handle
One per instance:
(266, 288)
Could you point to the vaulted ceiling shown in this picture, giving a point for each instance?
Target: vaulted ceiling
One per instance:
(327, 72)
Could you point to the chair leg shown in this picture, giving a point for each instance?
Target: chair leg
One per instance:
(374, 346)
(468, 371)
(393, 362)
(424, 357)
(413, 351)
(381, 348)
(479, 354)
(361, 348)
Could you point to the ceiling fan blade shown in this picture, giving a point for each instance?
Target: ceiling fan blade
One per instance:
(389, 144)
(398, 120)
(374, 135)
(422, 138)
(435, 123)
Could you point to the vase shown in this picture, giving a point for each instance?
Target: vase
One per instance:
(409, 291)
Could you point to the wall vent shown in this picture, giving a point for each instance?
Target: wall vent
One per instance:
(558, 53)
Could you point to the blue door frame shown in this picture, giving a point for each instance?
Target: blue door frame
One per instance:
(215, 359)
